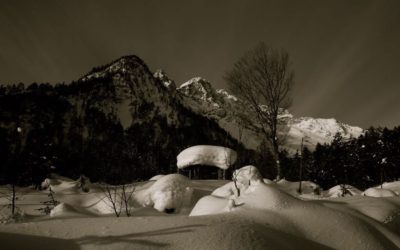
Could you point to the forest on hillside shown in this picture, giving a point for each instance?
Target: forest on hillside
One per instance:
(36, 139)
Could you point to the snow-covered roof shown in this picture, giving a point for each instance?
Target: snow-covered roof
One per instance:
(217, 156)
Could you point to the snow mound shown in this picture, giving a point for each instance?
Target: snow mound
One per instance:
(268, 181)
(48, 182)
(379, 192)
(258, 195)
(250, 183)
(169, 193)
(63, 209)
(246, 176)
(394, 186)
(225, 191)
(307, 187)
(61, 184)
(337, 191)
(264, 216)
(284, 214)
(156, 177)
(209, 205)
(207, 155)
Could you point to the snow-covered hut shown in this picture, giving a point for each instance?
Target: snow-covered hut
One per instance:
(206, 155)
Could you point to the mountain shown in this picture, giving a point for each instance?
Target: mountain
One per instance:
(318, 130)
(119, 122)
(221, 106)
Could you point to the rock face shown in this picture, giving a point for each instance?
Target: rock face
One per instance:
(221, 106)
(169, 83)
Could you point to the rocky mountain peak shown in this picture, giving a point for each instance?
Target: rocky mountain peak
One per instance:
(163, 77)
(122, 66)
(199, 88)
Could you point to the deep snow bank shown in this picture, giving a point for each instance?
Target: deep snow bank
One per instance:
(379, 192)
(336, 226)
(264, 216)
(307, 187)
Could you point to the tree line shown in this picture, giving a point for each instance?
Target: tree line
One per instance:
(369, 160)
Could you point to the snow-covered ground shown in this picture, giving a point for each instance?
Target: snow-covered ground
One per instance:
(206, 214)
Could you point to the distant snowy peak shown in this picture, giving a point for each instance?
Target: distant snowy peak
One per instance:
(226, 95)
(326, 127)
(318, 130)
(198, 88)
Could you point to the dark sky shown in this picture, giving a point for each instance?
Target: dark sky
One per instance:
(345, 53)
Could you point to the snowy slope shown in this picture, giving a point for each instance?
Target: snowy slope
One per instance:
(220, 105)
(318, 130)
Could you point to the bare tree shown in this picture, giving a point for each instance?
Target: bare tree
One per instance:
(49, 204)
(119, 198)
(127, 196)
(111, 193)
(11, 196)
(14, 173)
(263, 78)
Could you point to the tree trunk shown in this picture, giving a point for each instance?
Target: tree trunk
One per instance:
(277, 160)
(13, 199)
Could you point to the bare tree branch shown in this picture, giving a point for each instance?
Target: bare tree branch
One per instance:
(263, 79)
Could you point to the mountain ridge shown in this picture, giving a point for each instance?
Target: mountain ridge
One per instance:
(222, 106)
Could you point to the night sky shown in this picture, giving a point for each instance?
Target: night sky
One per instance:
(345, 53)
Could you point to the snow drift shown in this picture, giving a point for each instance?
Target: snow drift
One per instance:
(266, 215)
(327, 225)
(379, 192)
(342, 190)
(169, 193)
